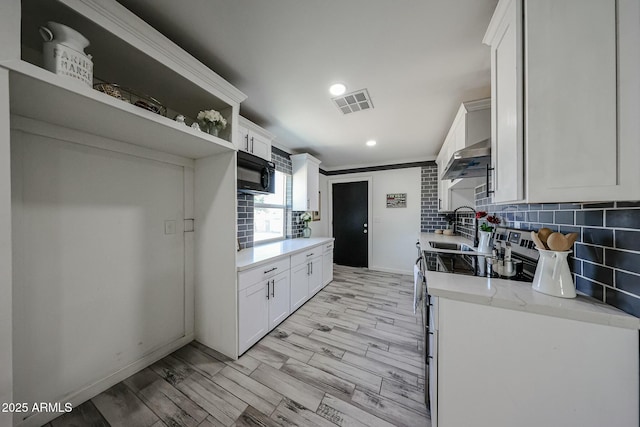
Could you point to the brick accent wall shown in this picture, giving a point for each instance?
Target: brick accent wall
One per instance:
(430, 219)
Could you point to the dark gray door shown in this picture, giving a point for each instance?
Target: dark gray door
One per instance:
(350, 227)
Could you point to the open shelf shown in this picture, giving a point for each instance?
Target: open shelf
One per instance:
(39, 94)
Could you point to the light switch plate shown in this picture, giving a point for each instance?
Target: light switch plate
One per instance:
(170, 226)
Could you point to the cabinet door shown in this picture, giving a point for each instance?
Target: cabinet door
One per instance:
(299, 286)
(260, 146)
(313, 186)
(443, 188)
(315, 275)
(253, 308)
(306, 182)
(573, 146)
(507, 144)
(243, 139)
(279, 301)
(327, 268)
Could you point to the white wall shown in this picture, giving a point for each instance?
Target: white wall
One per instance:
(394, 231)
(6, 367)
(98, 284)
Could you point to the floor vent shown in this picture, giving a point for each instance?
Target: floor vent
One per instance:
(354, 101)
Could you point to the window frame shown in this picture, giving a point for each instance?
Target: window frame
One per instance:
(283, 207)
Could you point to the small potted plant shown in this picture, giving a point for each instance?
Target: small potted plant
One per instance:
(306, 219)
(486, 230)
(211, 121)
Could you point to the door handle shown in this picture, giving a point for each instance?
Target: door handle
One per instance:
(268, 290)
(311, 263)
(273, 288)
(246, 137)
(252, 144)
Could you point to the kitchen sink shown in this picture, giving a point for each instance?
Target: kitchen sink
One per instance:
(451, 246)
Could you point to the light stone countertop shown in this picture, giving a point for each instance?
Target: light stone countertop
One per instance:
(262, 254)
(516, 295)
(520, 296)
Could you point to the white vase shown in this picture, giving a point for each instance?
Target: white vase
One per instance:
(553, 276)
(484, 245)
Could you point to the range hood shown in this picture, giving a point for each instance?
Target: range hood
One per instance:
(470, 162)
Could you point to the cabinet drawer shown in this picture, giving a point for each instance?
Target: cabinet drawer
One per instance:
(327, 247)
(265, 271)
(305, 256)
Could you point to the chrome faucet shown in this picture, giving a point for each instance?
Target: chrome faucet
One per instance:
(475, 224)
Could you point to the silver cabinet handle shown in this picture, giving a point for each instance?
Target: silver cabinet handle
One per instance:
(273, 288)
(311, 267)
(268, 290)
(246, 137)
(252, 144)
(489, 169)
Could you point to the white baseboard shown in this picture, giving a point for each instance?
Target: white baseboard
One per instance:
(78, 397)
(391, 270)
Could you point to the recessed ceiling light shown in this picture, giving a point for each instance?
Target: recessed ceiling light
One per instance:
(371, 142)
(337, 89)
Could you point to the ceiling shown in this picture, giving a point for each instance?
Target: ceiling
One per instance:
(419, 59)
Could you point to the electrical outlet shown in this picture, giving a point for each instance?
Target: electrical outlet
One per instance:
(170, 226)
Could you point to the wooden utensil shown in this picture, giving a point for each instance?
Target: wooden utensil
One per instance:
(537, 241)
(544, 234)
(571, 238)
(558, 242)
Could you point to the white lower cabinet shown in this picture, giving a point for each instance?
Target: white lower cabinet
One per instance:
(263, 301)
(512, 368)
(253, 314)
(299, 286)
(279, 299)
(268, 294)
(306, 277)
(327, 264)
(315, 275)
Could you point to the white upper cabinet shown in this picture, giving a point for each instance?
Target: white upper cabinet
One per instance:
(306, 182)
(253, 139)
(471, 125)
(565, 100)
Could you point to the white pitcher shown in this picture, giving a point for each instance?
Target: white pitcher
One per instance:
(553, 276)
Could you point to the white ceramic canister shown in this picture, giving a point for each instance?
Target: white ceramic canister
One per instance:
(63, 52)
(553, 276)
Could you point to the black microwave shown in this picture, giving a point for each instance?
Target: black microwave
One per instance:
(255, 174)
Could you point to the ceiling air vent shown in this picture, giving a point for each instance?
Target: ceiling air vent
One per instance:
(354, 101)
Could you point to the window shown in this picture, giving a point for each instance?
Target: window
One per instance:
(269, 212)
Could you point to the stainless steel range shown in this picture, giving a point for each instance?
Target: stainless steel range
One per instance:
(514, 258)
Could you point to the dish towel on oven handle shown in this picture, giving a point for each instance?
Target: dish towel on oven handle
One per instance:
(418, 278)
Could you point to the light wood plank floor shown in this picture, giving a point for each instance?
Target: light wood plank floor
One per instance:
(351, 356)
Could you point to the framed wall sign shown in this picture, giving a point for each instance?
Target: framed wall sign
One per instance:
(397, 200)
